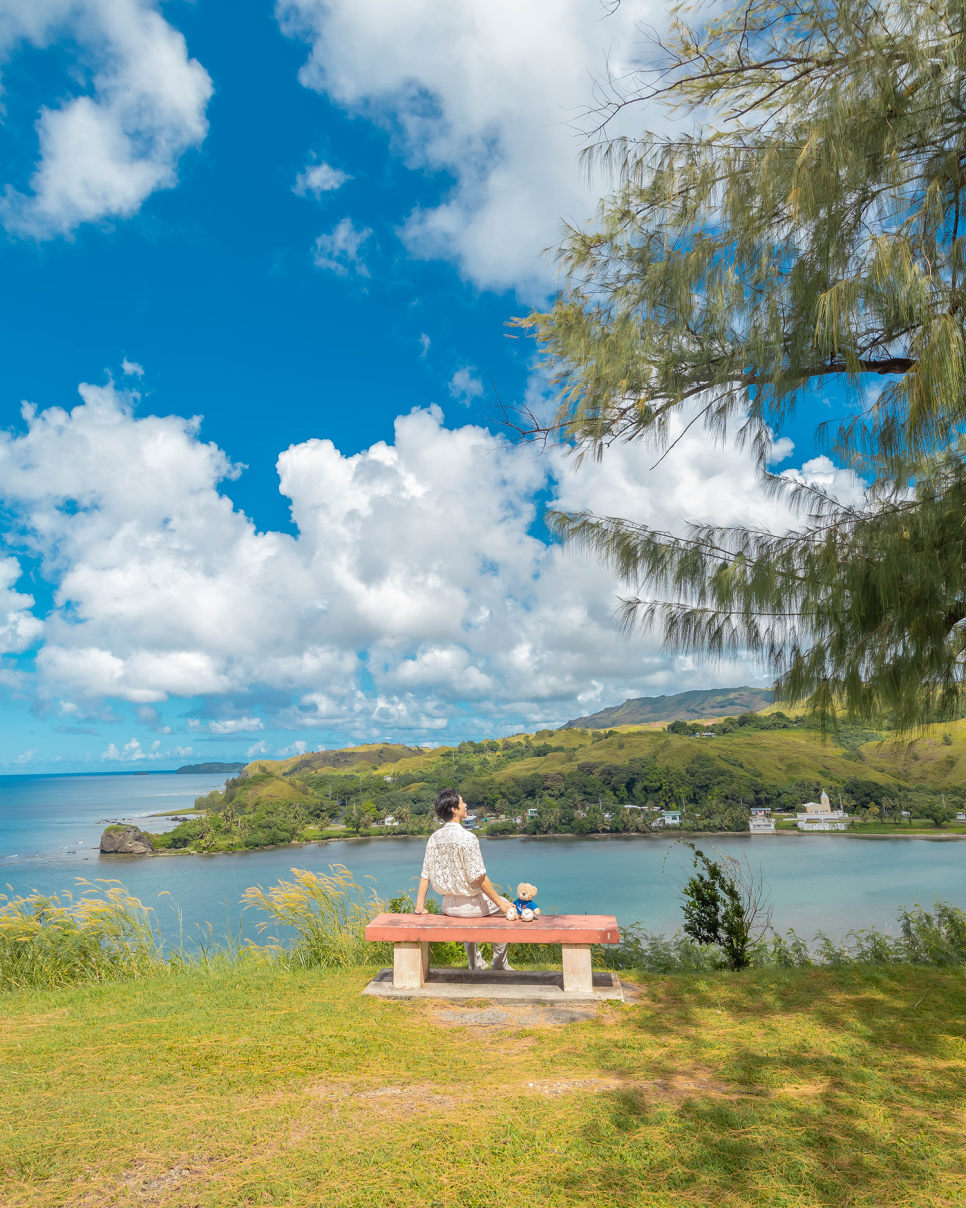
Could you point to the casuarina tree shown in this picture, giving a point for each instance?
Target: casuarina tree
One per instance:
(807, 234)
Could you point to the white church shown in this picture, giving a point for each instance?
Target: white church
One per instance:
(819, 816)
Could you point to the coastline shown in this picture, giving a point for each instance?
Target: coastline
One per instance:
(666, 834)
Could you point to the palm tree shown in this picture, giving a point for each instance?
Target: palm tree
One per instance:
(549, 817)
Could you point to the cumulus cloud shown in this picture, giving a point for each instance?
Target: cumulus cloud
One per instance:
(138, 104)
(318, 179)
(413, 592)
(19, 628)
(133, 752)
(487, 91)
(339, 250)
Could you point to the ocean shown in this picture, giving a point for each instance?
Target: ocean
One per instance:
(50, 828)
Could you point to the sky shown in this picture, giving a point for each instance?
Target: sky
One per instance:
(255, 493)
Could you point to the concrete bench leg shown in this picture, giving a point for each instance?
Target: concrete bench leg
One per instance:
(410, 964)
(577, 975)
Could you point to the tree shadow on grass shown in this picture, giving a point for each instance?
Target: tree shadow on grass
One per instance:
(813, 1087)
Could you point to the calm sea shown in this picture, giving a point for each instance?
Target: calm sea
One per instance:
(50, 828)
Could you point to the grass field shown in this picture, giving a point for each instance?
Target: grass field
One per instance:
(255, 1085)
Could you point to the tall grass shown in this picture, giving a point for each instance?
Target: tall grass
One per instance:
(936, 937)
(102, 934)
(328, 912)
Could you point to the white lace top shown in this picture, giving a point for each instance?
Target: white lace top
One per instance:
(453, 861)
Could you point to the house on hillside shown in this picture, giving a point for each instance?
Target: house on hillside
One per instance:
(671, 817)
(819, 816)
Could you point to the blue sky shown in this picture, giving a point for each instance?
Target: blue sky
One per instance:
(307, 224)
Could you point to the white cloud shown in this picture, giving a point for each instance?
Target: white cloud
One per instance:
(318, 179)
(488, 91)
(132, 752)
(26, 757)
(19, 628)
(413, 592)
(238, 725)
(339, 250)
(297, 748)
(139, 106)
(464, 386)
(132, 368)
(424, 343)
(258, 748)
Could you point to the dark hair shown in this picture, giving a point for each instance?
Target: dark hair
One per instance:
(447, 803)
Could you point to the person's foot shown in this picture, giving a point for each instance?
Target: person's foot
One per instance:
(504, 968)
(479, 966)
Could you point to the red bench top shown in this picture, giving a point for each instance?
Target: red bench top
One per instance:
(547, 929)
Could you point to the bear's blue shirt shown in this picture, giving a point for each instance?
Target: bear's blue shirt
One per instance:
(521, 905)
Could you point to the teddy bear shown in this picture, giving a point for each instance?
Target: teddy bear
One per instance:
(524, 905)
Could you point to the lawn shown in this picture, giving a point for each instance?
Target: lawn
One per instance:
(253, 1085)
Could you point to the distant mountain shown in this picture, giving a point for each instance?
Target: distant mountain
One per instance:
(689, 706)
(204, 768)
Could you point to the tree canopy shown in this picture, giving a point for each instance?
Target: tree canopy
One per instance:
(805, 234)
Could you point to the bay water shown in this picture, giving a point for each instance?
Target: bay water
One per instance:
(50, 828)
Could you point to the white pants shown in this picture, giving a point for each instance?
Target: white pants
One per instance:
(476, 907)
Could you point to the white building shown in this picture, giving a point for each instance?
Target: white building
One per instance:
(671, 817)
(819, 816)
(760, 822)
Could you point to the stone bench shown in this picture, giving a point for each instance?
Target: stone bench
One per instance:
(412, 934)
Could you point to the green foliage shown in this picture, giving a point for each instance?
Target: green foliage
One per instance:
(928, 938)
(714, 910)
(936, 812)
(810, 233)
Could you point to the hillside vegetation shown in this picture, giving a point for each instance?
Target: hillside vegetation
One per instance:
(569, 780)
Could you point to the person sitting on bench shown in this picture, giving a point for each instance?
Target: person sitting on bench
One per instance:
(454, 867)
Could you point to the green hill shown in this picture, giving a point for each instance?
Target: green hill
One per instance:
(567, 780)
(193, 768)
(689, 706)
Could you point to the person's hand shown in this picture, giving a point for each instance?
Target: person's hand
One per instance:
(504, 905)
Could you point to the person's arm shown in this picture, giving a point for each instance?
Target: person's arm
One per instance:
(421, 896)
(485, 886)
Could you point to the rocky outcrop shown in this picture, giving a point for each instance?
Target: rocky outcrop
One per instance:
(126, 841)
